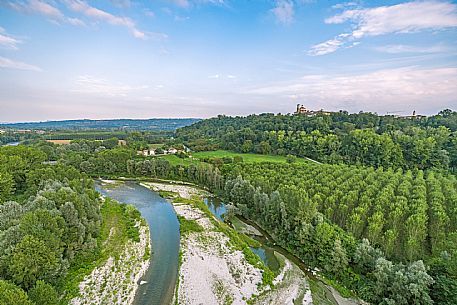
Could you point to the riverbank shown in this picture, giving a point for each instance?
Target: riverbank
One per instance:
(124, 258)
(218, 267)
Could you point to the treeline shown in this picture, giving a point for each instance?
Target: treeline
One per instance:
(9, 136)
(49, 220)
(306, 207)
(109, 125)
(409, 215)
(363, 138)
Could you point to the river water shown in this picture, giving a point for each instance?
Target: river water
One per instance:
(164, 228)
(266, 254)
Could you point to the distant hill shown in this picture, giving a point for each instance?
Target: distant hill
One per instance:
(123, 124)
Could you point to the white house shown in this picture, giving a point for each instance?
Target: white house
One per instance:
(146, 152)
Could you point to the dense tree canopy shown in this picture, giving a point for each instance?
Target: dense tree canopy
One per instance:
(363, 138)
(48, 216)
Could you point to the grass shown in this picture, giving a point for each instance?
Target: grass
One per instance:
(247, 158)
(320, 293)
(186, 226)
(175, 160)
(168, 194)
(155, 145)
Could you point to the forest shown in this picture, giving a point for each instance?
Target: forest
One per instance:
(50, 227)
(354, 223)
(375, 231)
(383, 230)
(363, 138)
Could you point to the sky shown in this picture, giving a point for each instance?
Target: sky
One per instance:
(74, 59)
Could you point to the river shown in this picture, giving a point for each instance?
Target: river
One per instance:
(12, 144)
(267, 251)
(165, 239)
(164, 229)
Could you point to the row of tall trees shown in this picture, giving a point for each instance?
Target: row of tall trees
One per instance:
(295, 218)
(409, 214)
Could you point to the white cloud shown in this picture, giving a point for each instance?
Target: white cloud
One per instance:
(88, 84)
(7, 63)
(407, 17)
(327, 47)
(409, 88)
(401, 48)
(44, 8)
(189, 3)
(284, 11)
(75, 21)
(181, 3)
(7, 41)
(346, 5)
(98, 14)
(219, 76)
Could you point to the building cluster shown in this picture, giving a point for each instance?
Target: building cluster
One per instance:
(154, 152)
(302, 110)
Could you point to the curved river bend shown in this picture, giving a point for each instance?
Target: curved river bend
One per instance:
(164, 228)
(165, 239)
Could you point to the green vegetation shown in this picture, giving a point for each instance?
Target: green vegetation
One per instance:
(404, 213)
(54, 219)
(54, 231)
(175, 160)
(363, 138)
(381, 224)
(247, 158)
(188, 225)
(168, 194)
(118, 226)
(297, 215)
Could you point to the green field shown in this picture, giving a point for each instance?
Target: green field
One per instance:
(155, 145)
(175, 160)
(247, 158)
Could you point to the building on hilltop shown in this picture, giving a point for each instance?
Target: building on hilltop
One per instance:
(302, 110)
(415, 116)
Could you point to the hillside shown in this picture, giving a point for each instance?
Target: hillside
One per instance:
(125, 124)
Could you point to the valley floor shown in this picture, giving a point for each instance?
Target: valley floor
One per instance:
(214, 271)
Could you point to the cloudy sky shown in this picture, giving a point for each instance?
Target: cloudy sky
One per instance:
(67, 59)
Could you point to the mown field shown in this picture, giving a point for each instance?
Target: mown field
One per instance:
(248, 158)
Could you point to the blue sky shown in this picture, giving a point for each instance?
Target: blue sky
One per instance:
(64, 59)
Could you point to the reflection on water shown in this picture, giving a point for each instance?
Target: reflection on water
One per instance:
(164, 227)
(268, 257)
(266, 254)
(216, 206)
